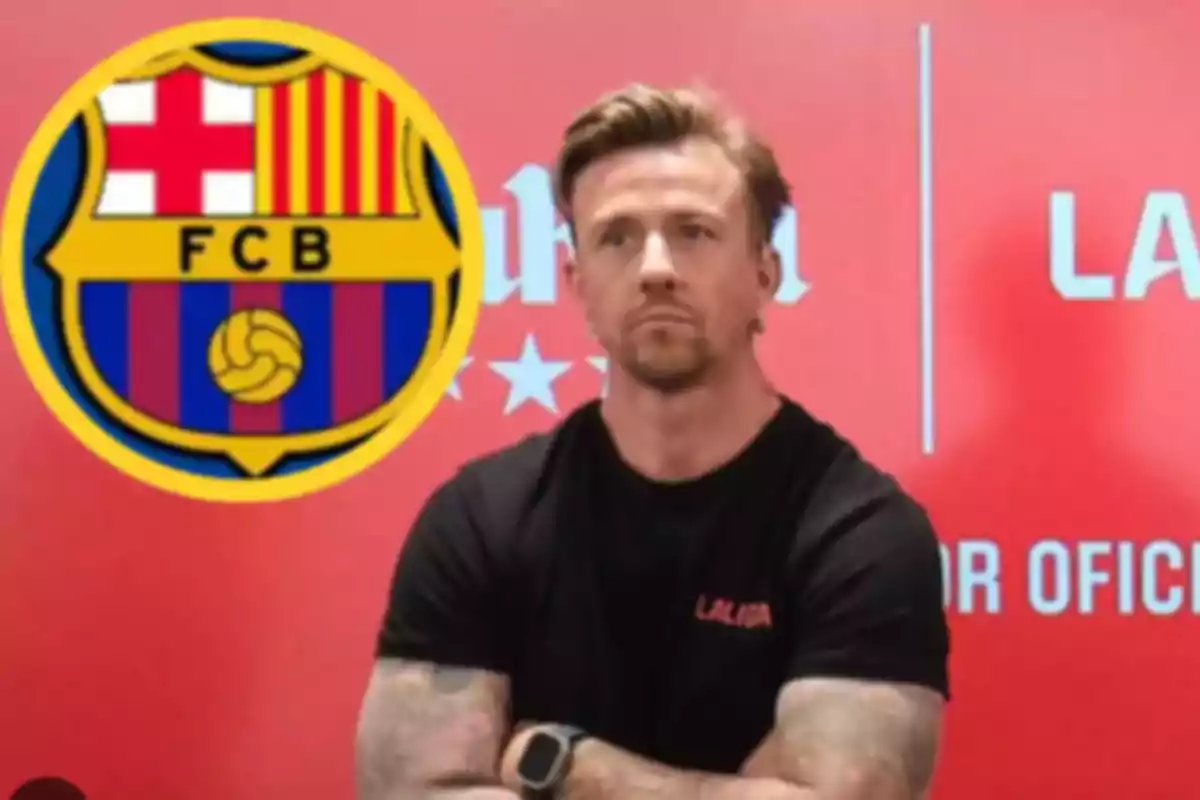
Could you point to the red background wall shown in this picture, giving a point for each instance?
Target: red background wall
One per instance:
(152, 646)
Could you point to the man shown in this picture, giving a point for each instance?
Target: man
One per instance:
(690, 589)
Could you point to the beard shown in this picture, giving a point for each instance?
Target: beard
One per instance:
(667, 361)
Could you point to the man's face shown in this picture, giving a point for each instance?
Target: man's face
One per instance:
(666, 267)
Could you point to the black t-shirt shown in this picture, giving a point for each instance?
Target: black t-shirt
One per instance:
(664, 618)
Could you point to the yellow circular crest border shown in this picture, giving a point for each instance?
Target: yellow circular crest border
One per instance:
(432, 386)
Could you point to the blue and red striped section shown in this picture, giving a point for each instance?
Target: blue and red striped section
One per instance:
(361, 344)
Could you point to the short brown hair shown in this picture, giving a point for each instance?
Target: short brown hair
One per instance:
(641, 115)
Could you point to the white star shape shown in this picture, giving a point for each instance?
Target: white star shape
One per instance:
(530, 377)
(454, 390)
(600, 364)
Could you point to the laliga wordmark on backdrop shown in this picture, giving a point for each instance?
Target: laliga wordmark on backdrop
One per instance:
(1164, 218)
(1158, 578)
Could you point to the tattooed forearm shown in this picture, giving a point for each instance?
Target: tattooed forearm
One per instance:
(833, 740)
(858, 738)
(425, 728)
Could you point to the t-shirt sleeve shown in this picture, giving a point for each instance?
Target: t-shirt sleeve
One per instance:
(445, 603)
(869, 602)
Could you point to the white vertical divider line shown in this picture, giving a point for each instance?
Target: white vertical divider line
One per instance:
(925, 136)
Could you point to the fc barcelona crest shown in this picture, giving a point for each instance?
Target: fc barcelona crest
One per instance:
(242, 260)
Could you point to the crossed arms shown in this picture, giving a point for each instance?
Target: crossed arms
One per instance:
(437, 733)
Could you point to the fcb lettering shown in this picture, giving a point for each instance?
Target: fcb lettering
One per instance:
(309, 250)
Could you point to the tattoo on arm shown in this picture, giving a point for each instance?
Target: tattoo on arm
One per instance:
(425, 727)
(858, 738)
(833, 739)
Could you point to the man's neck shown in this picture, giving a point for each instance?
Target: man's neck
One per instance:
(676, 437)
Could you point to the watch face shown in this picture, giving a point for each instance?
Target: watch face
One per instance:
(539, 763)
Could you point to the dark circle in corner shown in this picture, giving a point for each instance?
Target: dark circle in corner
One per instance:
(48, 789)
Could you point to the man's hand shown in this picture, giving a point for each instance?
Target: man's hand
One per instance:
(834, 739)
(601, 771)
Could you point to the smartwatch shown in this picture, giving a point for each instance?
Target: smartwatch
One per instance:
(546, 761)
